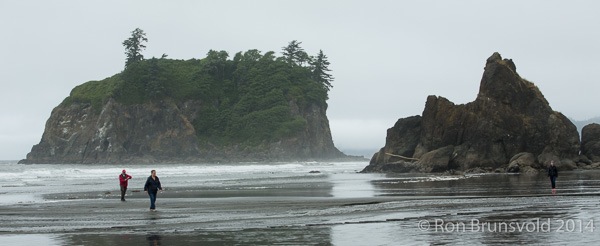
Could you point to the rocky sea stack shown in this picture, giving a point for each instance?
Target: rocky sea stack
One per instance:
(254, 107)
(510, 127)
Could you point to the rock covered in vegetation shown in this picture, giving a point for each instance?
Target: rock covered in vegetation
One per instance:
(253, 108)
(509, 123)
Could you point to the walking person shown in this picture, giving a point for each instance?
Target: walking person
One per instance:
(151, 187)
(553, 174)
(123, 180)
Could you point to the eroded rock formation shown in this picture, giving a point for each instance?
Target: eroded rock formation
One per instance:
(509, 123)
(162, 132)
(590, 142)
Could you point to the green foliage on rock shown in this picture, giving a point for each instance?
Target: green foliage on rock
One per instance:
(94, 93)
(252, 98)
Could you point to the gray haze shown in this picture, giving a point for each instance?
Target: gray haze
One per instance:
(386, 56)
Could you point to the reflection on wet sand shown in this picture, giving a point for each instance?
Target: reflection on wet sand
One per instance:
(339, 209)
(154, 240)
(274, 236)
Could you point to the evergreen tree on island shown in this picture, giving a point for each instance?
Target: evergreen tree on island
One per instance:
(294, 54)
(134, 46)
(320, 67)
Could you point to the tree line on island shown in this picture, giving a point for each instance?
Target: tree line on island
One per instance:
(293, 55)
(250, 98)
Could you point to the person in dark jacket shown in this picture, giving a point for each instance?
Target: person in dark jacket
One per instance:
(553, 174)
(123, 178)
(151, 187)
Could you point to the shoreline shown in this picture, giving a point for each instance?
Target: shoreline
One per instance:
(267, 206)
(177, 212)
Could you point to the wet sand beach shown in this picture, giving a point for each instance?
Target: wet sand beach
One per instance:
(297, 220)
(322, 209)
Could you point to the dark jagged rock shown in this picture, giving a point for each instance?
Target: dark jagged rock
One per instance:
(590, 142)
(402, 139)
(509, 117)
(162, 132)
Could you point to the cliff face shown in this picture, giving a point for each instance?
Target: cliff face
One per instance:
(163, 132)
(509, 118)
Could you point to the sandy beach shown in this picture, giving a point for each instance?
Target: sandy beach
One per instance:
(223, 219)
(321, 209)
(256, 219)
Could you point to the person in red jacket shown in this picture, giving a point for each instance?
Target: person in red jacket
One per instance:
(123, 178)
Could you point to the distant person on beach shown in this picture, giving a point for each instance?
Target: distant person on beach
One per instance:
(553, 174)
(123, 180)
(151, 187)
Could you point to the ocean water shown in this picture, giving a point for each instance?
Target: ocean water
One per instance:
(299, 203)
(34, 183)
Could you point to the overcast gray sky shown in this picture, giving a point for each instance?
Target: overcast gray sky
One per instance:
(386, 56)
